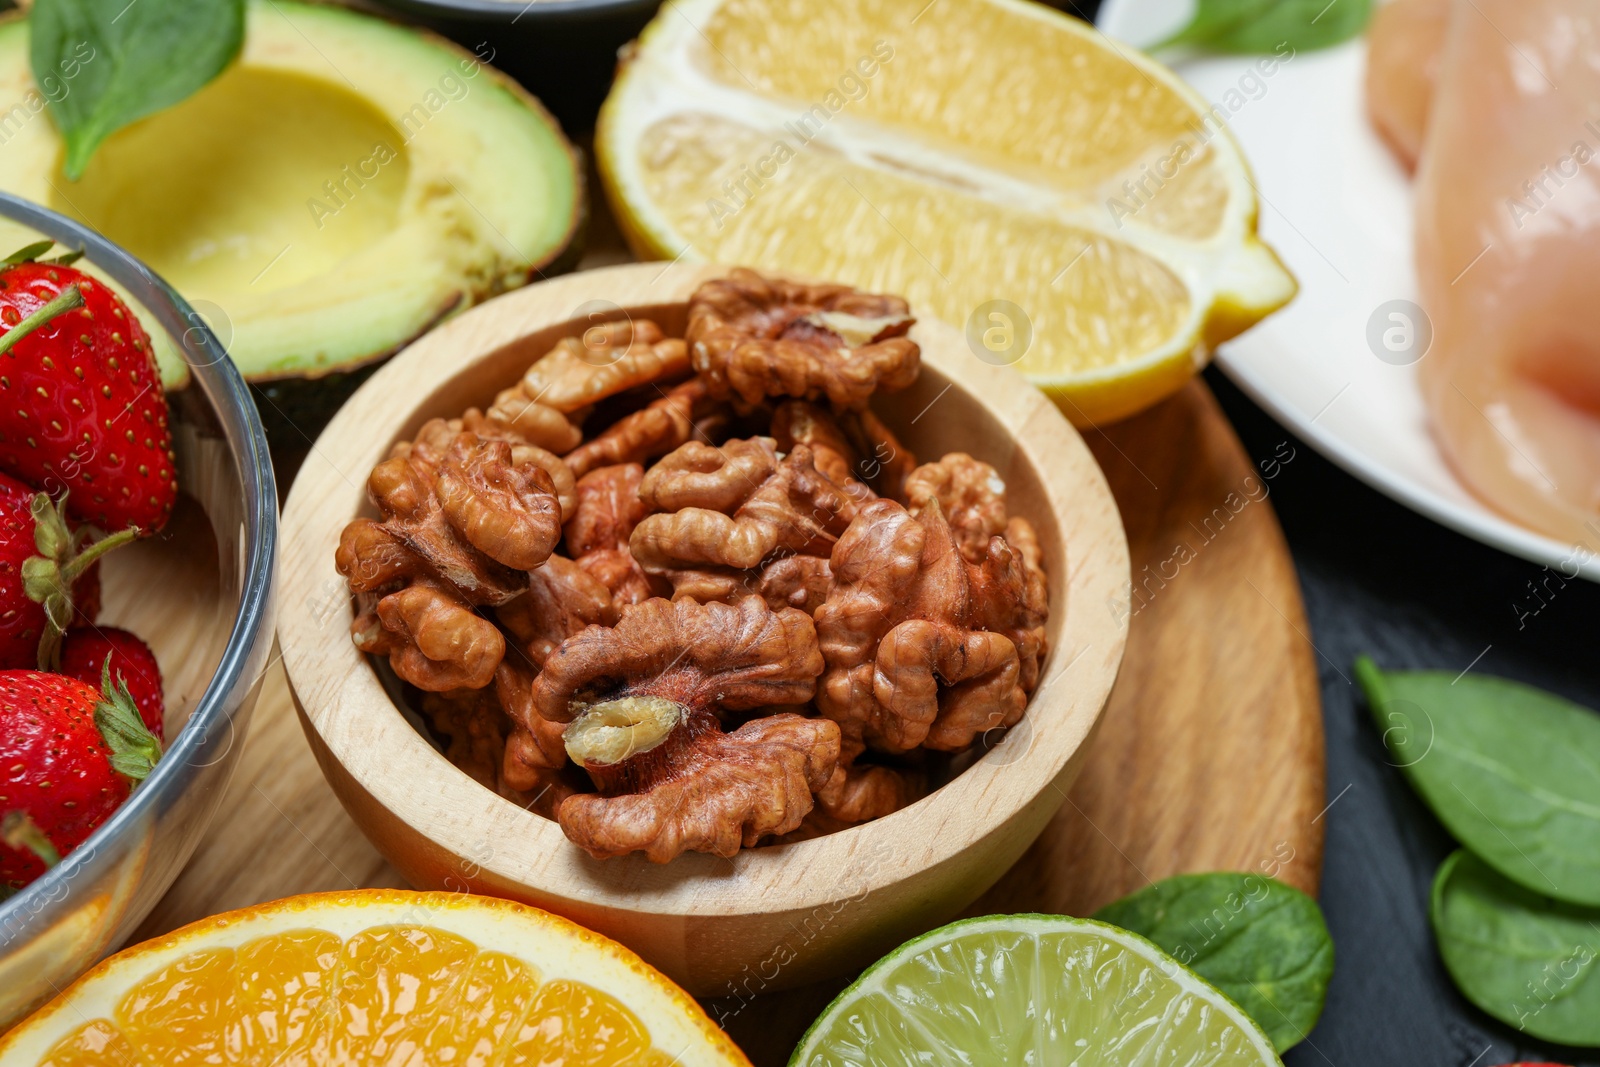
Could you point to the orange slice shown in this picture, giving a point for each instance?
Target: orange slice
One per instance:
(368, 977)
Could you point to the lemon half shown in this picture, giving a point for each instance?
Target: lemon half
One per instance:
(1084, 213)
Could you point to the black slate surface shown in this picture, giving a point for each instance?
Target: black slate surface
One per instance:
(1382, 580)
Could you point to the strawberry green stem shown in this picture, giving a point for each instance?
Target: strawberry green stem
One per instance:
(48, 577)
(21, 832)
(134, 749)
(70, 298)
(27, 253)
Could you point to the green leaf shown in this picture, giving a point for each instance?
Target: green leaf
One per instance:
(1512, 771)
(1272, 26)
(120, 60)
(1261, 942)
(1525, 959)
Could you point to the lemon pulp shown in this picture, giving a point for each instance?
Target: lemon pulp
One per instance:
(957, 154)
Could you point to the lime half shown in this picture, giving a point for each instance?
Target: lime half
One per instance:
(1035, 990)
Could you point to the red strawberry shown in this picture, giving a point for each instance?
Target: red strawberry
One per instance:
(81, 403)
(84, 654)
(40, 562)
(68, 757)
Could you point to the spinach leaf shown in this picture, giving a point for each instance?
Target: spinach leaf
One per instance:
(1261, 942)
(1525, 959)
(1511, 771)
(1272, 26)
(105, 63)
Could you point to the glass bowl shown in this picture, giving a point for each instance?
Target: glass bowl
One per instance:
(201, 594)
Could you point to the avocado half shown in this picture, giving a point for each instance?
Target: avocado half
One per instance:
(337, 191)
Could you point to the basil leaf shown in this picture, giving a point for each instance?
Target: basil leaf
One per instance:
(119, 60)
(1272, 26)
(1525, 959)
(1261, 942)
(1512, 771)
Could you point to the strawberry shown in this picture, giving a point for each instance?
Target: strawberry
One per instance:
(44, 569)
(84, 654)
(69, 755)
(81, 403)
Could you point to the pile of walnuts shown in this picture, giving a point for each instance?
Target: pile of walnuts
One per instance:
(690, 594)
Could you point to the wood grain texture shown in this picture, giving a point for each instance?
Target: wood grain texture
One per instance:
(1210, 751)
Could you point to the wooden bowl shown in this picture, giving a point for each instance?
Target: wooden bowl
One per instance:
(771, 917)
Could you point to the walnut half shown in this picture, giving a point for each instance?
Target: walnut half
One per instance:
(752, 337)
(645, 702)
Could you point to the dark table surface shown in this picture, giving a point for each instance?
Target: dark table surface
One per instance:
(1382, 580)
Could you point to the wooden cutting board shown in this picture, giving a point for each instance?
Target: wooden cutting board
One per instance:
(1209, 756)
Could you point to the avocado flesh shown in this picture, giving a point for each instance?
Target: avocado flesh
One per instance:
(328, 198)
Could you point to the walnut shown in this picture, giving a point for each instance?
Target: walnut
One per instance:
(415, 538)
(509, 512)
(885, 462)
(801, 582)
(475, 728)
(752, 337)
(546, 407)
(597, 534)
(533, 746)
(1013, 595)
(722, 791)
(799, 422)
(644, 701)
(519, 415)
(462, 525)
(463, 510)
(433, 441)
(763, 493)
(971, 494)
(608, 359)
(433, 639)
(654, 431)
(561, 600)
(794, 510)
(738, 657)
(696, 475)
(917, 639)
(859, 792)
(705, 584)
(853, 448)
(371, 558)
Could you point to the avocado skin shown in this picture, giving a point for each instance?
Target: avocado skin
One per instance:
(295, 410)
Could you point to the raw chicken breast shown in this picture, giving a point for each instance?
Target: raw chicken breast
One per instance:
(1404, 43)
(1508, 256)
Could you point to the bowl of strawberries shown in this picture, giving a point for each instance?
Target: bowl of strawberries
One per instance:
(138, 526)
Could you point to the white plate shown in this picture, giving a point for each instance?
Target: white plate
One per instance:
(1337, 207)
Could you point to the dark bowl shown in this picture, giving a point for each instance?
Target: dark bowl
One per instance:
(562, 51)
